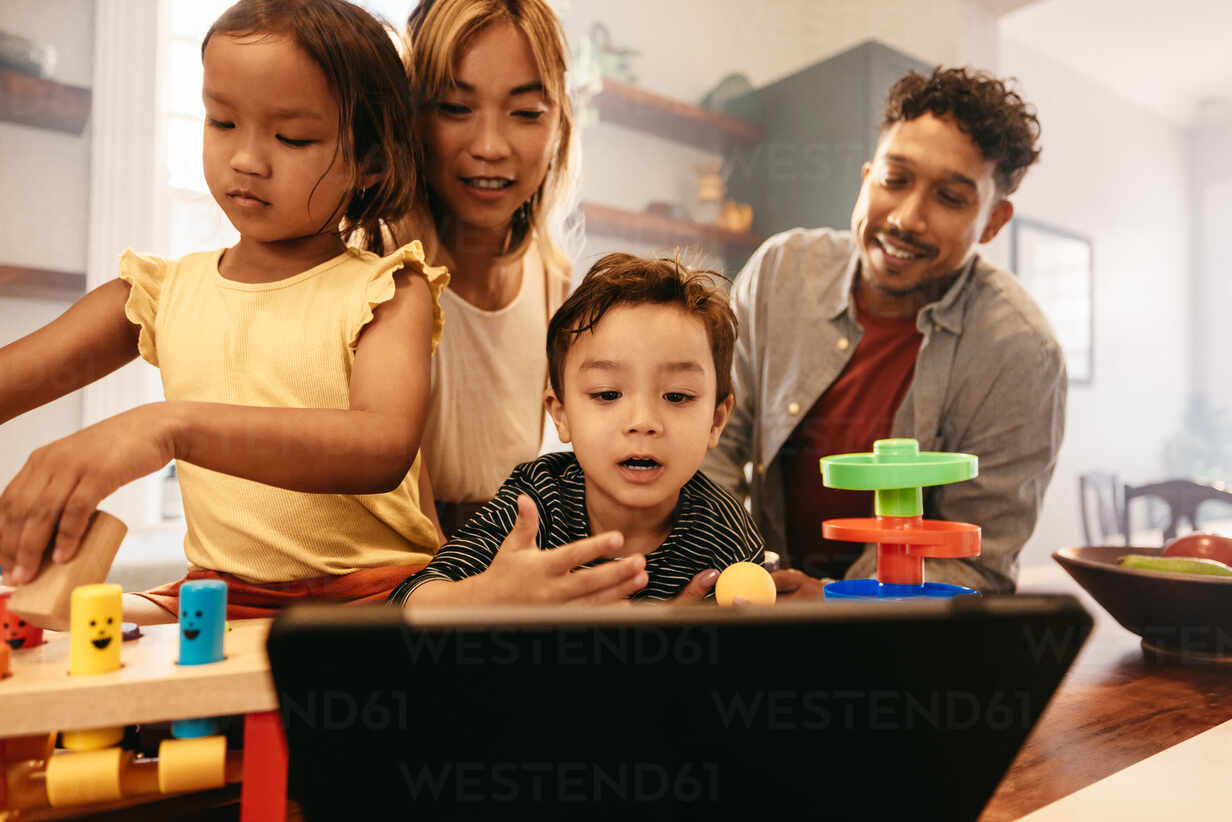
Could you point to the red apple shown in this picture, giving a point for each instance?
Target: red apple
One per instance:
(1204, 546)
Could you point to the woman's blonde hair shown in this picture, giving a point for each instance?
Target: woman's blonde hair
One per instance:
(436, 33)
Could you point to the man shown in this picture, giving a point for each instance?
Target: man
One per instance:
(898, 328)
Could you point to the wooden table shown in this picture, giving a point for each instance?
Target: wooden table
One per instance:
(40, 696)
(1114, 708)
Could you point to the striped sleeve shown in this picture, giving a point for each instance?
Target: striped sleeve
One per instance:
(742, 542)
(472, 549)
(714, 531)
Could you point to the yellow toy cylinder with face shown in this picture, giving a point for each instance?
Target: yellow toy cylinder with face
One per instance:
(95, 619)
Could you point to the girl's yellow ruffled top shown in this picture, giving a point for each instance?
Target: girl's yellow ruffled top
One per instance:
(286, 344)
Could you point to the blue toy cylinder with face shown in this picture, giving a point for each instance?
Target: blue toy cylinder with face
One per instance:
(203, 615)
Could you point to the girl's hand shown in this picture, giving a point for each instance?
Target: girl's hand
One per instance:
(62, 483)
(522, 573)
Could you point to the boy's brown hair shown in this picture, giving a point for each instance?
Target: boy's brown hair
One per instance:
(623, 279)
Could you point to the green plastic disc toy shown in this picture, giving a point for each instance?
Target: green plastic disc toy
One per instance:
(897, 470)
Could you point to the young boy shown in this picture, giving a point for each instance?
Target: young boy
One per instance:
(639, 359)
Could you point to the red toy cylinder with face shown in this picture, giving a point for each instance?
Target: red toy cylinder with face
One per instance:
(16, 633)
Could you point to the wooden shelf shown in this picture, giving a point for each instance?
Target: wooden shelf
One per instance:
(41, 284)
(637, 108)
(33, 101)
(652, 229)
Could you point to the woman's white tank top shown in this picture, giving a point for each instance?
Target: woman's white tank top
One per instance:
(486, 413)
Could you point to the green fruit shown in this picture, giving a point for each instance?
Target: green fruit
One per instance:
(1176, 565)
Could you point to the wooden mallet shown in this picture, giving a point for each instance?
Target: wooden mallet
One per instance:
(44, 601)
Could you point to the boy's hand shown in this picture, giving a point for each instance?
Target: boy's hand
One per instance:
(62, 483)
(697, 588)
(795, 584)
(522, 573)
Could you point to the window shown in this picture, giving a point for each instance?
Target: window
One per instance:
(190, 219)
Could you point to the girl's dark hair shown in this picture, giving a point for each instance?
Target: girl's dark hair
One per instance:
(623, 279)
(375, 114)
(998, 120)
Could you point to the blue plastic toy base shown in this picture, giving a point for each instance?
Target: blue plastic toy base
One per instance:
(872, 589)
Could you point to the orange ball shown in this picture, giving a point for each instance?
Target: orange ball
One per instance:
(748, 580)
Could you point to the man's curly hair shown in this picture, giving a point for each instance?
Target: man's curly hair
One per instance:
(1002, 124)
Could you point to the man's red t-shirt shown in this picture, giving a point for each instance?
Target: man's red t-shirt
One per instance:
(857, 409)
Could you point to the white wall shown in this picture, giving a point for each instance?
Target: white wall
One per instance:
(1211, 188)
(685, 48)
(44, 197)
(1117, 174)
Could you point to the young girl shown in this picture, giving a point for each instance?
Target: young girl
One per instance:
(496, 132)
(295, 369)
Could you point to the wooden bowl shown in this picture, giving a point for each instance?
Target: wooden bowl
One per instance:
(1179, 616)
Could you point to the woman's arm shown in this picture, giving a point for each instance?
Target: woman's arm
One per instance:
(88, 341)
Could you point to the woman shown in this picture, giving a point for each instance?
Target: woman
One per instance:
(498, 150)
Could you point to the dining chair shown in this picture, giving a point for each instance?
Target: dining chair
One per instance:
(1100, 508)
(1182, 498)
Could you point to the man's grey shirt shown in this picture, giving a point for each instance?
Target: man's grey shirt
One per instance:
(989, 380)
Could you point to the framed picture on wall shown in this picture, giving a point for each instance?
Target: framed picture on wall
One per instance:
(1055, 265)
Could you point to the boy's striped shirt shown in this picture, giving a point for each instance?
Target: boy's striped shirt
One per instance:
(711, 530)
